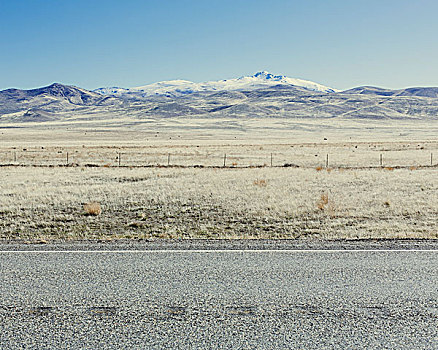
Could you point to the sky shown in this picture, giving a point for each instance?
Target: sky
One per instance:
(98, 43)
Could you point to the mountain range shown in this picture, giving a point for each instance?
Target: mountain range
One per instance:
(177, 88)
(262, 95)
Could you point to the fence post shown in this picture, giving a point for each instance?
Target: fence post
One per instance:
(327, 161)
(168, 159)
(225, 159)
(271, 160)
(381, 159)
(431, 159)
(67, 158)
(15, 156)
(119, 158)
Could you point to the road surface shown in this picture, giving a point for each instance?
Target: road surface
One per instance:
(53, 297)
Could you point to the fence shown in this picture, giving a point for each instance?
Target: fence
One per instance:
(341, 158)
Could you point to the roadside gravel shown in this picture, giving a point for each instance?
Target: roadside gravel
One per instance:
(221, 244)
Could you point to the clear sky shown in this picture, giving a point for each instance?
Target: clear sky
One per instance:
(339, 43)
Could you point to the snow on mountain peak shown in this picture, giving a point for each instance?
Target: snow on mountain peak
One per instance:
(174, 88)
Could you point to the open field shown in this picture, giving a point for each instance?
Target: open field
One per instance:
(137, 149)
(371, 189)
(48, 202)
(346, 155)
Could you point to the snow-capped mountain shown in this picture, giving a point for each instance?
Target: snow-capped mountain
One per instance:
(262, 95)
(174, 88)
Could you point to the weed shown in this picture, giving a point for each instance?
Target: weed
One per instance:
(92, 208)
(323, 201)
(260, 183)
(319, 168)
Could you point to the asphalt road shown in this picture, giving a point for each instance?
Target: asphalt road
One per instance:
(191, 299)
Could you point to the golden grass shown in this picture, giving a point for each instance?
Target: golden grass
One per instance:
(92, 208)
(218, 203)
(260, 183)
(323, 201)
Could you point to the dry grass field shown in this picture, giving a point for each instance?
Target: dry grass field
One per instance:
(248, 154)
(93, 197)
(110, 203)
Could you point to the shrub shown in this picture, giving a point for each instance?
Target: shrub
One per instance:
(92, 208)
(323, 201)
(260, 183)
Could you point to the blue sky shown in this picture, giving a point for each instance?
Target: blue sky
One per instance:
(339, 43)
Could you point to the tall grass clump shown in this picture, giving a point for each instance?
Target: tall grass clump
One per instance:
(92, 208)
(323, 201)
(260, 183)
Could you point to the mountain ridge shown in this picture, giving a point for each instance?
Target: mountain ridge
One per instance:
(175, 88)
(244, 97)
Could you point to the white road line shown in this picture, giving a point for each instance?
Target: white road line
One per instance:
(161, 251)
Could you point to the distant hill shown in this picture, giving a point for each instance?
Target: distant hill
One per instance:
(431, 92)
(262, 95)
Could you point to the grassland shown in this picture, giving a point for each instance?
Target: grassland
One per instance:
(44, 195)
(245, 154)
(48, 203)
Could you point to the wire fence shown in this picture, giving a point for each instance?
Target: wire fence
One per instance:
(132, 158)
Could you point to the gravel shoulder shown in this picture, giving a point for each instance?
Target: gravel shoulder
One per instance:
(220, 244)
